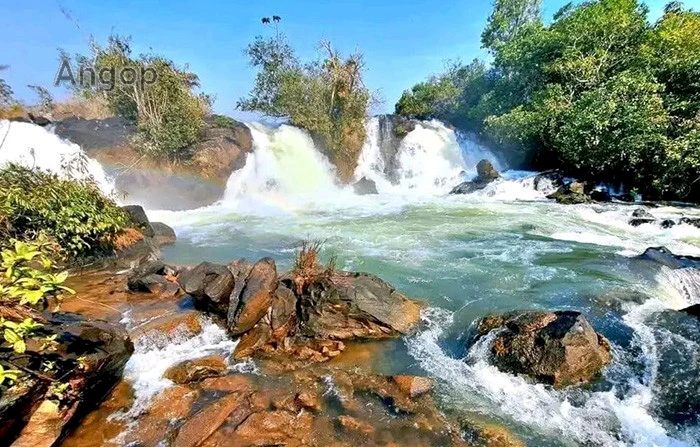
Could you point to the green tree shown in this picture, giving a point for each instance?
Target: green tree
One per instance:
(327, 97)
(507, 19)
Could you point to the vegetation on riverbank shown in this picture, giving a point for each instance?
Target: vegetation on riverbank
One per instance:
(327, 97)
(599, 92)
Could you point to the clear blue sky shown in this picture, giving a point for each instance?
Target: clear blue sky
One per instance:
(403, 41)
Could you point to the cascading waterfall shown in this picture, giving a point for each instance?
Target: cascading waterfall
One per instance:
(30, 145)
(285, 168)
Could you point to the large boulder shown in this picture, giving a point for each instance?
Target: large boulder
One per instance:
(163, 234)
(255, 297)
(139, 218)
(558, 348)
(664, 256)
(641, 216)
(486, 174)
(210, 285)
(693, 310)
(347, 305)
(570, 194)
(89, 359)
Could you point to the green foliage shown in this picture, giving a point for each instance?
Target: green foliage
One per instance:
(8, 376)
(507, 19)
(326, 97)
(163, 100)
(73, 213)
(600, 92)
(224, 121)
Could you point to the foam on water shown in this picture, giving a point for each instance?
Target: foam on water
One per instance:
(603, 418)
(32, 146)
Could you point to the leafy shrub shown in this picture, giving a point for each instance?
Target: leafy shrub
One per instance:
(27, 281)
(224, 121)
(73, 213)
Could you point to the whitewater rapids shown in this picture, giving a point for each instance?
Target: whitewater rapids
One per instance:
(502, 248)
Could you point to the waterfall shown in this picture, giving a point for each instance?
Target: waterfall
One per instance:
(285, 168)
(33, 146)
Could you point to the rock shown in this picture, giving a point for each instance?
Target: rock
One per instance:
(233, 408)
(413, 386)
(196, 369)
(169, 328)
(559, 348)
(664, 256)
(255, 297)
(283, 312)
(229, 384)
(600, 195)
(486, 174)
(641, 216)
(547, 181)
(571, 193)
(668, 223)
(16, 405)
(163, 234)
(155, 284)
(38, 120)
(365, 186)
(140, 219)
(308, 401)
(690, 221)
(693, 310)
(277, 427)
(355, 305)
(485, 171)
(352, 424)
(101, 349)
(210, 285)
(253, 340)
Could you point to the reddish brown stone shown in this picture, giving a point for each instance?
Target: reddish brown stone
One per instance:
(196, 369)
(231, 408)
(256, 297)
(413, 386)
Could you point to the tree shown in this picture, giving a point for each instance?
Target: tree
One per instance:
(507, 19)
(327, 97)
(6, 93)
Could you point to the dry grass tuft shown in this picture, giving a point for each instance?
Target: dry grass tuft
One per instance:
(93, 108)
(126, 238)
(307, 266)
(13, 112)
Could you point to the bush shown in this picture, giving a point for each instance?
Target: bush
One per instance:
(73, 213)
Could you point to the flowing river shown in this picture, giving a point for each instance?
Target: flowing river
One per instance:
(503, 248)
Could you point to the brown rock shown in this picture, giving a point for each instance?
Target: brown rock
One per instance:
(166, 329)
(276, 428)
(210, 284)
(196, 369)
(256, 297)
(283, 312)
(308, 401)
(351, 424)
(163, 234)
(231, 384)
(560, 348)
(233, 408)
(413, 386)
(253, 340)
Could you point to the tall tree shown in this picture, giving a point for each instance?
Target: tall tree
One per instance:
(507, 19)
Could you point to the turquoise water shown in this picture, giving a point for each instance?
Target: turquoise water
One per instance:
(471, 256)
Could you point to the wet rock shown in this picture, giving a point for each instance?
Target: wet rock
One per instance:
(253, 340)
(641, 216)
(485, 171)
(548, 180)
(283, 312)
(155, 284)
(140, 219)
(168, 328)
(163, 234)
(559, 348)
(101, 349)
(690, 221)
(693, 310)
(229, 384)
(570, 194)
(276, 427)
(668, 223)
(233, 408)
(486, 174)
(351, 305)
(17, 404)
(351, 424)
(308, 401)
(255, 297)
(413, 386)
(196, 369)
(365, 186)
(600, 195)
(210, 284)
(665, 257)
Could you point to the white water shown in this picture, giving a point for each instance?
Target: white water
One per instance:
(32, 146)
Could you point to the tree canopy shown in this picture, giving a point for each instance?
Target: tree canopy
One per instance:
(600, 92)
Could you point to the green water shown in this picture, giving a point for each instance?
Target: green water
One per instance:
(469, 257)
